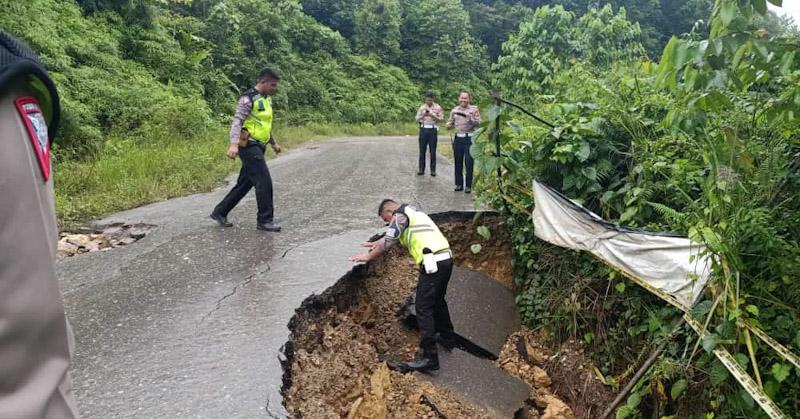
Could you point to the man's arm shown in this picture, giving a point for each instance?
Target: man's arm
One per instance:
(451, 120)
(438, 113)
(475, 117)
(396, 226)
(420, 114)
(243, 108)
(275, 147)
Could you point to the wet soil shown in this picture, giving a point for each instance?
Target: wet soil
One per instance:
(563, 380)
(340, 339)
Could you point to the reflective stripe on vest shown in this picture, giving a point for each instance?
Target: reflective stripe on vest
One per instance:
(259, 122)
(421, 233)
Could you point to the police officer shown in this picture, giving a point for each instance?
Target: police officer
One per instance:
(428, 116)
(431, 251)
(464, 118)
(35, 339)
(250, 130)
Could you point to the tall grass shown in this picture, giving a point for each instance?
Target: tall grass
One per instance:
(127, 174)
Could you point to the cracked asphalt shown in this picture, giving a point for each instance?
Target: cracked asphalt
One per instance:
(189, 321)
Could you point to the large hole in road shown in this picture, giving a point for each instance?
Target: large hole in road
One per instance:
(339, 340)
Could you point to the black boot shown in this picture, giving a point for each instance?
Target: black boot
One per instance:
(447, 339)
(423, 361)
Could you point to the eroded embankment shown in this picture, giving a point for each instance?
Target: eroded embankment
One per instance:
(339, 340)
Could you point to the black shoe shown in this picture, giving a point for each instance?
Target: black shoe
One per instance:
(421, 363)
(468, 190)
(268, 227)
(420, 173)
(459, 188)
(221, 220)
(433, 174)
(448, 340)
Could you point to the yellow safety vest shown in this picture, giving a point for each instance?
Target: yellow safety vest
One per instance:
(259, 122)
(420, 234)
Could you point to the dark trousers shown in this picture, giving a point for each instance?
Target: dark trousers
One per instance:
(461, 153)
(431, 307)
(428, 137)
(254, 173)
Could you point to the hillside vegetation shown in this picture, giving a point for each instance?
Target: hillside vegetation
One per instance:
(669, 115)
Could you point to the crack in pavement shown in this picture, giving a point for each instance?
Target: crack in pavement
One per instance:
(290, 249)
(248, 279)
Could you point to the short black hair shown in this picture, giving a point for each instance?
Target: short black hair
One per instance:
(383, 205)
(430, 95)
(268, 74)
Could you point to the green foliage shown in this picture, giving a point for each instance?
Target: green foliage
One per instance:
(377, 28)
(553, 39)
(439, 50)
(659, 19)
(494, 21)
(704, 143)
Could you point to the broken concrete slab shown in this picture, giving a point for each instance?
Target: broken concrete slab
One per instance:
(479, 381)
(482, 310)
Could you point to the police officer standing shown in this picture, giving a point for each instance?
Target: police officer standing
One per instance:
(428, 116)
(464, 118)
(250, 130)
(431, 252)
(35, 339)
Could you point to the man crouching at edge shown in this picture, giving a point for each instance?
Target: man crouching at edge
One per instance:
(427, 245)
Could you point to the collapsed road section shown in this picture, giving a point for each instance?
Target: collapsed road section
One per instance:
(340, 340)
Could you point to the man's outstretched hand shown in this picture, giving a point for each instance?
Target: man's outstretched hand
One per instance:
(359, 258)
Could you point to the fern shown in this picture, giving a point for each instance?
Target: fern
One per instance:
(669, 213)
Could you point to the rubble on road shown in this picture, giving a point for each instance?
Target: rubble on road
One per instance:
(87, 240)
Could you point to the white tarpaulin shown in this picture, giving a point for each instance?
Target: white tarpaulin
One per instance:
(663, 261)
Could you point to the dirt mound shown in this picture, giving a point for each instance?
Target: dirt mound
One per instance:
(337, 354)
(564, 374)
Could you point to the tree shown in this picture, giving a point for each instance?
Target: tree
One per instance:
(492, 22)
(547, 42)
(438, 48)
(377, 28)
(335, 14)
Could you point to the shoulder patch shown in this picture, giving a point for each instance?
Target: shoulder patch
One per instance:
(36, 126)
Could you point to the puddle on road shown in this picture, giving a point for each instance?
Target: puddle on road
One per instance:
(340, 339)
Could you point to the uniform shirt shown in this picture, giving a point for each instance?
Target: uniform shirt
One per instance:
(397, 225)
(243, 109)
(435, 114)
(464, 124)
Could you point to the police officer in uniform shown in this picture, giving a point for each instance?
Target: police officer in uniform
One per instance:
(251, 129)
(431, 251)
(428, 116)
(35, 339)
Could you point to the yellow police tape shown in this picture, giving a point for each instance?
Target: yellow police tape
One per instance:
(769, 407)
(740, 374)
(780, 349)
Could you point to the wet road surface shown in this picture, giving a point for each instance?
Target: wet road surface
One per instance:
(188, 322)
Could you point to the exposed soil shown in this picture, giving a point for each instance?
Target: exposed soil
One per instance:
(340, 339)
(563, 381)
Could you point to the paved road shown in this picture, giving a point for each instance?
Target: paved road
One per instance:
(188, 322)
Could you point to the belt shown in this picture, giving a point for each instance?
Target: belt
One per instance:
(429, 126)
(442, 255)
(463, 134)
